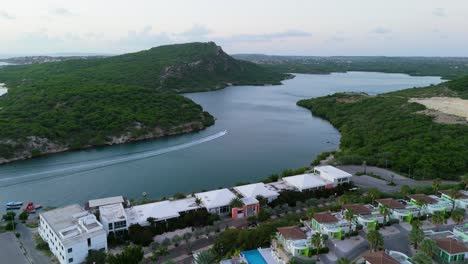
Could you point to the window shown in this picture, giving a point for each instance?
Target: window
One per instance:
(70, 260)
(110, 226)
(89, 242)
(120, 224)
(70, 250)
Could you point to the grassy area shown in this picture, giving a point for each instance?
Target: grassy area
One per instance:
(42, 245)
(387, 130)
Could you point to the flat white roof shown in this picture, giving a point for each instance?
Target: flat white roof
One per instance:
(249, 201)
(106, 201)
(306, 181)
(112, 213)
(159, 211)
(184, 205)
(333, 172)
(216, 198)
(254, 189)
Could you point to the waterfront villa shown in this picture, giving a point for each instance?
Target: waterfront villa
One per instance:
(255, 189)
(251, 207)
(460, 202)
(113, 218)
(329, 224)
(451, 251)
(333, 174)
(385, 257)
(292, 241)
(400, 209)
(432, 203)
(365, 215)
(217, 201)
(71, 232)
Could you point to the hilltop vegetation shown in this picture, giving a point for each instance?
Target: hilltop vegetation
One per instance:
(180, 68)
(57, 106)
(446, 67)
(387, 130)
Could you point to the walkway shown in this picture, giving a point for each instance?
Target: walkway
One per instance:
(10, 249)
(27, 238)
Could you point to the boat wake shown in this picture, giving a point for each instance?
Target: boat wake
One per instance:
(77, 167)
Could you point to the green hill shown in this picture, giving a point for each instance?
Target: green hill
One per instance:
(387, 130)
(57, 106)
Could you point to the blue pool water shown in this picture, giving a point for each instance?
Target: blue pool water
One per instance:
(254, 257)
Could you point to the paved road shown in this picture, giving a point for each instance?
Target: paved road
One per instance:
(10, 250)
(398, 242)
(27, 237)
(338, 252)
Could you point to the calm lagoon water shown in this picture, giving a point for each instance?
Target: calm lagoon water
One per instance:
(267, 133)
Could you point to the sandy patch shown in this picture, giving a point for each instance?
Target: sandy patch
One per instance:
(3, 89)
(446, 105)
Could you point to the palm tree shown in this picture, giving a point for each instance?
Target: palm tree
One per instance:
(373, 193)
(428, 246)
(421, 204)
(310, 213)
(385, 211)
(349, 216)
(375, 240)
(198, 201)
(436, 184)
(205, 257)
(464, 180)
(405, 190)
(236, 203)
(316, 242)
(454, 195)
(415, 235)
(438, 218)
(421, 258)
(458, 216)
(344, 260)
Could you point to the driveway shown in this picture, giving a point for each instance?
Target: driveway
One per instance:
(350, 248)
(10, 250)
(27, 237)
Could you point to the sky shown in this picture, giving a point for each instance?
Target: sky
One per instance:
(293, 27)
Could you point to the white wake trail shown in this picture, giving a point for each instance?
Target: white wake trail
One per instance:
(95, 165)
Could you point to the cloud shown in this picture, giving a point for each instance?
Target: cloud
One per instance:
(195, 32)
(5, 15)
(439, 12)
(267, 37)
(381, 30)
(145, 38)
(61, 12)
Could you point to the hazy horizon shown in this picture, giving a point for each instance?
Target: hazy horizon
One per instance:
(303, 28)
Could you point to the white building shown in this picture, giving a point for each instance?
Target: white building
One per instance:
(400, 210)
(332, 174)
(93, 205)
(294, 240)
(431, 204)
(307, 182)
(255, 189)
(365, 215)
(71, 232)
(113, 217)
(461, 202)
(217, 201)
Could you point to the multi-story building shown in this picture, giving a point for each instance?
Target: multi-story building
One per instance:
(365, 215)
(293, 241)
(113, 218)
(329, 224)
(71, 233)
(431, 203)
(450, 250)
(400, 210)
(461, 202)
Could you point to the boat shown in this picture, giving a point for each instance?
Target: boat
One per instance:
(37, 206)
(30, 208)
(14, 205)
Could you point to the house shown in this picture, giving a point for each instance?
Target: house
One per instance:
(451, 250)
(217, 201)
(333, 174)
(251, 207)
(460, 202)
(329, 224)
(255, 189)
(93, 205)
(385, 257)
(432, 203)
(400, 209)
(307, 182)
(293, 240)
(365, 215)
(113, 217)
(461, 231)
(71, 232)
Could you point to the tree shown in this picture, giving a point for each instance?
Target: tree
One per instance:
(436, 185)
(458, 216)
(464, 180)
(262, 200)
(310, 212)
(428, 246)
(23, 216)
(198, 201)
(9, 216)
(415, 235)
(316, 242)
(205, 257)
(405, 190)
(130, 254)
(373, 193)
(349, 216)
(344, 260)
(438, 218)
(454, 195)
(385, 211)
(236, 203)
(421, 258)
(96, 257)
(421, 205)
(140, 235)
(375, 240)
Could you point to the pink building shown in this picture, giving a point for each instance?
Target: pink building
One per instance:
(251, 207)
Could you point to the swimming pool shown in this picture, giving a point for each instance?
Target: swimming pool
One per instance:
(254, 257)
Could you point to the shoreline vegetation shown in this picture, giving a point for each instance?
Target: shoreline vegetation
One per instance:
(77, 104)
(389, 130)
